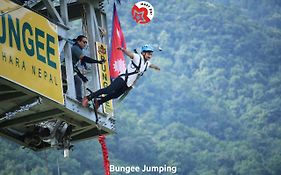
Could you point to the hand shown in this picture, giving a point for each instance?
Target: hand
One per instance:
(154, 67)
(157, 68)
(120, 48)
(102, 61)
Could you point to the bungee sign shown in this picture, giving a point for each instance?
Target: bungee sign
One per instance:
(104, 74)
(29, 51)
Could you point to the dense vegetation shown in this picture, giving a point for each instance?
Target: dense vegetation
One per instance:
(214, 109)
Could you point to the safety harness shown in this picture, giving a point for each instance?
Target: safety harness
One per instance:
(137, 67)
(121, 98)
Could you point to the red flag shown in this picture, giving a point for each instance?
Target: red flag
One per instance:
(117, 60)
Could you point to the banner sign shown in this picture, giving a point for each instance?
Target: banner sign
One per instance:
(104, 74)
(29, 51)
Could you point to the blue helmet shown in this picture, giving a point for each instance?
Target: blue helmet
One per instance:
(146, 48)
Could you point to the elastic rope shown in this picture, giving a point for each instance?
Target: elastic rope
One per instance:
(105, 154)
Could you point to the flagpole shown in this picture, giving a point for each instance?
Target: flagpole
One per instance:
(112, 24)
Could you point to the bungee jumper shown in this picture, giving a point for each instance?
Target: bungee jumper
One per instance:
(124, 82)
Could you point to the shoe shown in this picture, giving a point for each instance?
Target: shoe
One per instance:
(96, 103)
(85, 102)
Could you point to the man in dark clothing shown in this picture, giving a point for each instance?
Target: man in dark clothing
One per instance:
(79, 57)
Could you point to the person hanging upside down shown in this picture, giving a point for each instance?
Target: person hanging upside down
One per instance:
(136, 67)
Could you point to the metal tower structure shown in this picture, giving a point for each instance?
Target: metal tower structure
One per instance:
(27, 116)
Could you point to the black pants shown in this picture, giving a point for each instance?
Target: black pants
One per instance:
(114, 90)
(78, 87)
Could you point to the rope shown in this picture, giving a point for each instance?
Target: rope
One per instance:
(105, 154)
(102, 143)
(46, 161)
(85, 32)
(84, 21)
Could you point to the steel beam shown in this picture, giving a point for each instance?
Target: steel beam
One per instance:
(30, 118)
(52, 11)
(11, 95)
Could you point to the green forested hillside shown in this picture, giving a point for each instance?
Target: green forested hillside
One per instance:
(213, 109)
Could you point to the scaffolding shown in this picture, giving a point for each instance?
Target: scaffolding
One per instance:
(25, 114)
